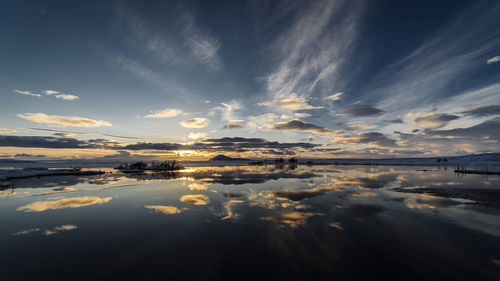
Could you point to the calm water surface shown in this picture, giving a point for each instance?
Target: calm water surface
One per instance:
(254, 223)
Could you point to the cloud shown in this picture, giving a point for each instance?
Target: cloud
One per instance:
(197, 186)
(59, 95)
(195, 199)
(489, 129)
(27, 231)
(292, 219)
(302, 115)
(195, 123)
(4, 131)
(481, 138)
(227, 144)
(196, 136)
(355, 127)
(299, 195)
(432, 71)
(301, 126)
(54, 142)
(65, 227)
(293, 102)
(144, 72)
(483, 111)
(232, 126)
(431, 120)
(374, 138)
(336, 225)
(359, 109)
(493, 59)
(334, 97)
(203, 46)
(424, 201)
(167, 210)
(169, 112)
(74, 202)
(26, 155)
(27, 93)
(395, 121)
(63, 120)
(316, 42)
(62, 133)
(229, 209)
(363, 210)
(261, 122)
(228, 109)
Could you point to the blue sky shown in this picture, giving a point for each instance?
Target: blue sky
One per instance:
(328, 78)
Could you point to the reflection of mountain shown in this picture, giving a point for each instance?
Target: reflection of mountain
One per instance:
(246, 174)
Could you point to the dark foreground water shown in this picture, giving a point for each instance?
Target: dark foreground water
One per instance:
(254, 223)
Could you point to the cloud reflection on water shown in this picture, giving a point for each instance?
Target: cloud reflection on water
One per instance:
(167, 210)
(73, 202)
(195, 199)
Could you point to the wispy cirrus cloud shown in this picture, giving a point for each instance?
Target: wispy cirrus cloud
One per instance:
(71, 121)
(334, 97)
(189, 43)
(27, 93)
(427, 74)
(204, 47)
(304, 62)
(261, 122)
(195, 123)
(228, 110)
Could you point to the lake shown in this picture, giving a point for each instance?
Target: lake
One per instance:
(276, 222)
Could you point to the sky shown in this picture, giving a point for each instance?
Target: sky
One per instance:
(193, 79)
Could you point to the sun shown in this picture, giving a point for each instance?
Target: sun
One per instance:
(185, 153)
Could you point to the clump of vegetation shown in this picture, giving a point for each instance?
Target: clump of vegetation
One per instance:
(293, 160)
(172, 165)
(167, 165)
(138, 165)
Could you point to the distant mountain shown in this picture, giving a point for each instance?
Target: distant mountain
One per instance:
(225, 158)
